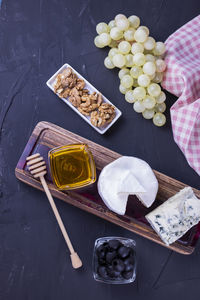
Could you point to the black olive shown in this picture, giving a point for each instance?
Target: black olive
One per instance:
(129, 260)
(114, 244)
(112, 273)
(110, 256)
(101, 254)
(127, 275)
(124, 251)
(105, 246)
(102, 272)
(100, 248)
(128, 267)
(118, 265)
(101, 261)
(101, 251)
(129, 263)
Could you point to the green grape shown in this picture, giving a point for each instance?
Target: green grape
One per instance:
(112, 52)
(136, 71)
(105, 39)
(116, 33)
(148, 113)
(140, 35)
(134, 21)
(145, 28)
(127, 81)
(149, 68)
(119, 16)
(123, 72)
(129, 34)
(161, 98)
(98, 42)
(118, 60)
(150, 57)
(129, 97)
(124, 47)
(111, 24)
(159, 119)
(102, 28)
(129, 60)
(143, 80)
(137, 48)
(139, 59)
(159, 48)
(122, 23)
(139, 93)
(161, 107)
(108, 63)
(149, 102)
(149, 44)
(158, 77)
(154, 89)
(122, 89)
(138, 106)
(160, 65)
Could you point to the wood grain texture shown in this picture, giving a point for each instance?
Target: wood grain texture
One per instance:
(49, 135)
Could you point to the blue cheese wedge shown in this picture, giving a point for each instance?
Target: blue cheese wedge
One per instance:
(172, 219)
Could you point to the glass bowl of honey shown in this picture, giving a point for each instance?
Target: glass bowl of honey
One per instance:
(72, 166)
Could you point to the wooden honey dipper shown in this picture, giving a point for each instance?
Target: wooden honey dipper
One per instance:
(37, 168)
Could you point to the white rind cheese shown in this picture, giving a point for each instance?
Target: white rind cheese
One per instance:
(127, 176)
(172, 219)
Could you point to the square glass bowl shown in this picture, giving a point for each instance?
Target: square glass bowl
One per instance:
(72, 166)
(126, 242)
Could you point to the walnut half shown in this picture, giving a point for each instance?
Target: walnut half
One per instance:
(65, 81)
(104, 115)
(96, 119)
(75, 98)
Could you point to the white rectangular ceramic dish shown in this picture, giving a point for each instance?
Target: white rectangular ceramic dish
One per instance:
(51, 82)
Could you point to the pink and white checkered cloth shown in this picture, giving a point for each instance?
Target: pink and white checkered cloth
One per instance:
(182, 78)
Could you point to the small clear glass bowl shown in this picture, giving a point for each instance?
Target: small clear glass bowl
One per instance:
(126, 242)
(63, 163)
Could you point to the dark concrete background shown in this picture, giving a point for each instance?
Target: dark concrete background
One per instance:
(36, 38)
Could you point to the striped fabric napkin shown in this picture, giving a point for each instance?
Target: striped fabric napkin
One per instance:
(182, 78)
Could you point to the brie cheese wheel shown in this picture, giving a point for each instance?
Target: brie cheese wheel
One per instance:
(172, 219)
(127, 176)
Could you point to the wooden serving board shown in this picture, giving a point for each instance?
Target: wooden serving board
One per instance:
(46, 136)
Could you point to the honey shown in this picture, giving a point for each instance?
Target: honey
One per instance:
(72, 166)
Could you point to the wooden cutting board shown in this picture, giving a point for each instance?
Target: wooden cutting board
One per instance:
(47, 135)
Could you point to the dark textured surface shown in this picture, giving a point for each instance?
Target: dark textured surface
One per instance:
(36, 38)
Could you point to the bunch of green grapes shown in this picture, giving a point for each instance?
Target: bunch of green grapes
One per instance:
(140, 59)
